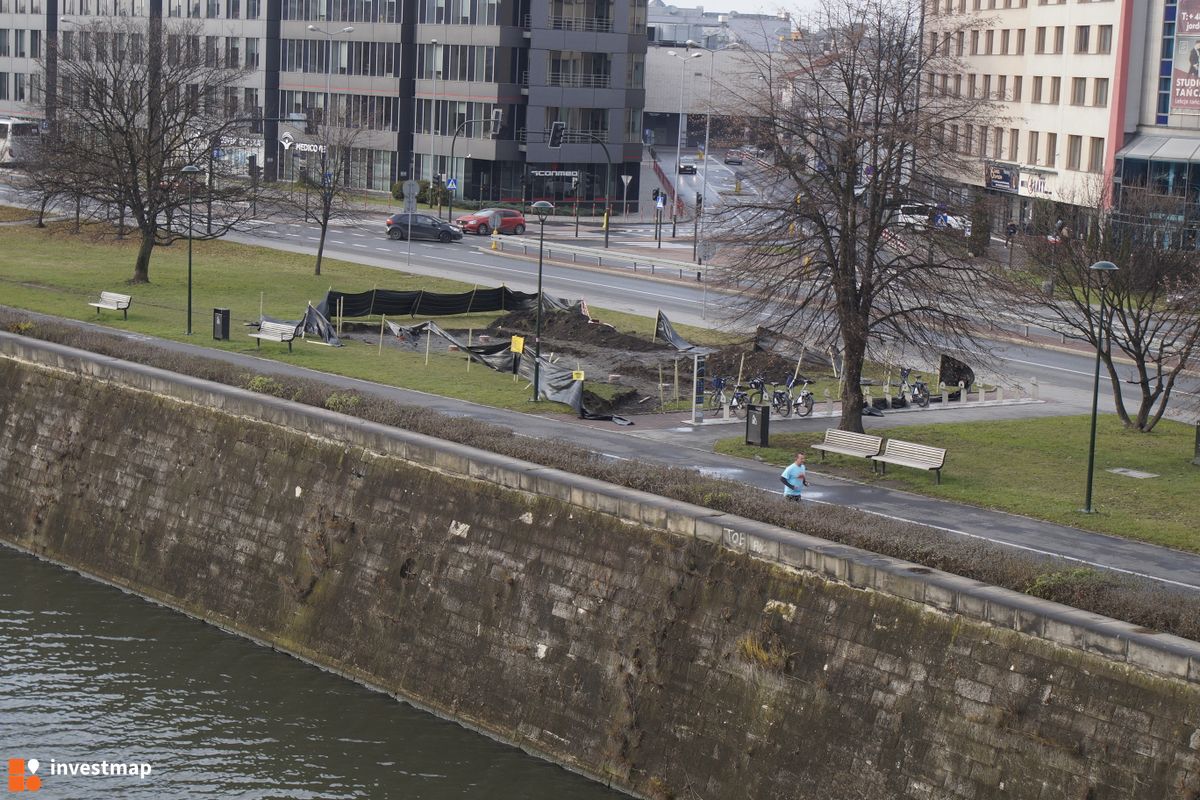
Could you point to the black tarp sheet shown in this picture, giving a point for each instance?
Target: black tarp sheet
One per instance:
(663, 329)
(432, 304)
(771, 341)
(313, 325)
(555, 383)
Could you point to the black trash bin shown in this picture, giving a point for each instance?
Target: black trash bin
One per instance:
(221, 324)
(758, 425)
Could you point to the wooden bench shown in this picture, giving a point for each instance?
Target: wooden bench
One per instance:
(917, 456)
(113, 301)
(275, 332)
(848, 443)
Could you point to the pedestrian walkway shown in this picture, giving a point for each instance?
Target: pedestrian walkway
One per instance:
(682, 445)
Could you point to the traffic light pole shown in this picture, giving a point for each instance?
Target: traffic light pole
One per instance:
(453, 142)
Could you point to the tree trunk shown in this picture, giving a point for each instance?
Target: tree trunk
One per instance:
(141, 268)
(852, 393)
(321, 244)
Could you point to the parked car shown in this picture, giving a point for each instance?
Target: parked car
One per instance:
(486, 220)
(687, 167)
(733, 157)
(422, 226)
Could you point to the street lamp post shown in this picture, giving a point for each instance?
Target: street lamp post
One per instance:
(698, 254)
(683, 59)
(1102, 269)
(542, 209)
(190, 172)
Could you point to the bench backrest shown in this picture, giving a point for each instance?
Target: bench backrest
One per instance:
(865, 441)
(916, 452)
(115, 299)
(284, 330)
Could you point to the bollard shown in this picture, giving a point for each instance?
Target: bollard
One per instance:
(828, 402)
(945, 394)
(962, 392)
(651, 269)
(1033, 388)
(698, 278)
(981, 392)
(1000, 393)
(496, 239)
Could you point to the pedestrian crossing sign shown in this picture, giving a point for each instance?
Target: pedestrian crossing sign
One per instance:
(452, 184)
(661, 202)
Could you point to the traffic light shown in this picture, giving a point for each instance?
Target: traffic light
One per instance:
(497, 121)
(699, 199)
(557, 129)
(252, 167)
(655, 195)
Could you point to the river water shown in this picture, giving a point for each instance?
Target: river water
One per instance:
(91, 676)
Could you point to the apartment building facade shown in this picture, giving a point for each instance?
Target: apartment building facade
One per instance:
(405, 76)
(1052, 71)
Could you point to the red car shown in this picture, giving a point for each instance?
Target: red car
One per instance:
(486, 220)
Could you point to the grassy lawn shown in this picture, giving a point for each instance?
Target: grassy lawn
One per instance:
(1038, 468)
(13, 214)
(55, 271)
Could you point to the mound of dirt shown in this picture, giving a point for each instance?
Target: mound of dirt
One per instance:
(569, 327)
(725, 363)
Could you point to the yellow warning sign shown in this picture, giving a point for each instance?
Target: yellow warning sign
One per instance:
(577, 375)
(518, 344)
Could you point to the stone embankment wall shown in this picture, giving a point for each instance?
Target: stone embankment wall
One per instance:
(619, 634)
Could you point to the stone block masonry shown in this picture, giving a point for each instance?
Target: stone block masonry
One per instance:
(662, 648)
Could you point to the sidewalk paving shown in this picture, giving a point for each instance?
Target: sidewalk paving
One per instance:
(667, 440)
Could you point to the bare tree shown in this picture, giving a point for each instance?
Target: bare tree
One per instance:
(1152, 301)
(137, 101)
(322, 188)
(853, 129)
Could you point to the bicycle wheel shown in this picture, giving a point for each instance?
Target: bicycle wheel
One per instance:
(783, 404)
(804, 404)
(757, 397)
(739, 405)
(921, 396)
(716, 401)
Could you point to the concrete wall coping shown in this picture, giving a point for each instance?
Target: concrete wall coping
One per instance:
(942, 592)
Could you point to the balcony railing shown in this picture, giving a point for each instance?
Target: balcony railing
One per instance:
(578, 81)
(588, 24)
(570, 137)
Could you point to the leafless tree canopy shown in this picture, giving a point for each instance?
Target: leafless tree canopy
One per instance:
(818, 253)
(1152, 302)
(136, 101)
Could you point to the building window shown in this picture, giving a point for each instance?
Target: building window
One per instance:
(946, 45)
(968, 129)
(1021, 42)
(1039, 42)
(1033, 147)
(997, 142)
(1055, 90)
(1001, 87)
(989, 42)
(983, 137)
(1096, 155)
(1017, 81)
(1078, 91)
(1060, 36)
(1100, 92)
(1074, 151)
(1104, 39)
(960, 43)
(970, 86)
(974, 43)
(1004, 37)
(958, 85)
(1037, 89)
(1014, 144)
(1083, 35)
(986, 92)
(1051, 149)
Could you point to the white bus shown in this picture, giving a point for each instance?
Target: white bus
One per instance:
(17, 140)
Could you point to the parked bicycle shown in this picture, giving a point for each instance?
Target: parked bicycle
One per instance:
(804, 401)
(916, 392)
(736, 397)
